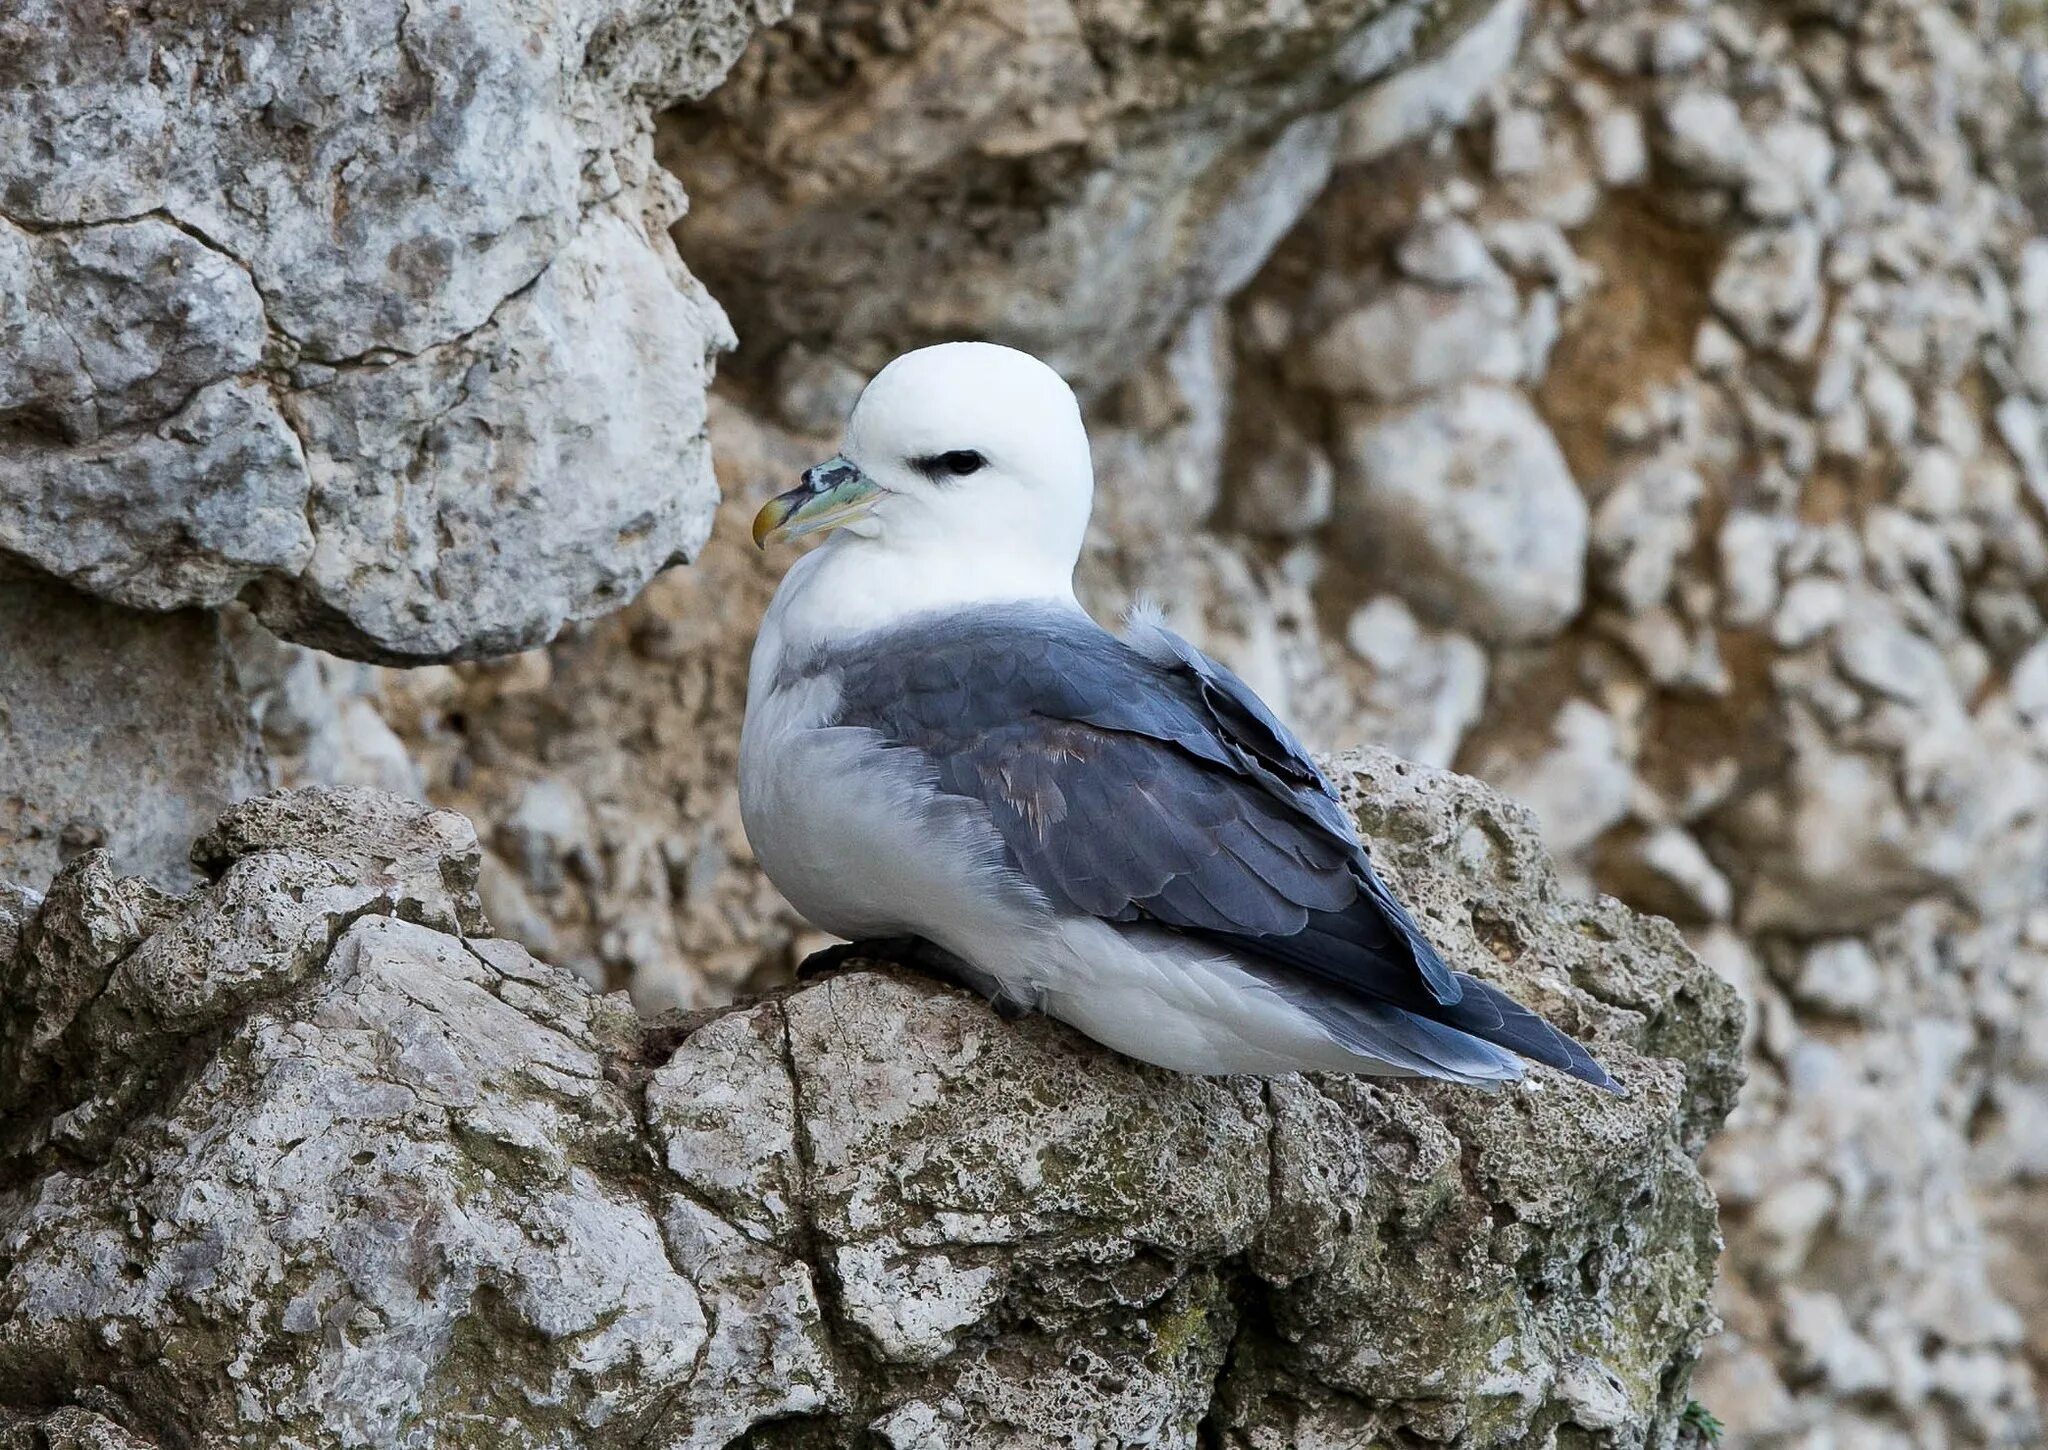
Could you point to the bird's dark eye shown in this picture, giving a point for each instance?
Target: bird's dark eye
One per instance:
(959, 462)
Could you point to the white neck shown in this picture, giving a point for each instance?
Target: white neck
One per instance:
(850, 586)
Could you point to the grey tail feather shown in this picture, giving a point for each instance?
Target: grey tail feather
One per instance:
(1493, 1016)
(1480, 1039)
(1410, 1043)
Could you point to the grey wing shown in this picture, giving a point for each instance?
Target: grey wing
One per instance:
(1378, 925)
(1273, 751)
(1154, 786)
(1143, 786)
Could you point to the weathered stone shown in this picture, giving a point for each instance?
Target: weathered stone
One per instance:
(595, 372)
(17, 905)
(117, 729)
(1427, 686)
(184, 514)
(1833, 847)
(1841, 976)
(1576, 778)
(1665, 870)
(63, 951)
(424, 862)
(1810, 608)
(1621, 147)
(1414, 339)
(1442, 91)
(1704, 135)
(69, 1429)
(1287, 489)
(1641, 530)
(1769, 290)
(1866, 504)
(1159, 465)
(429, 1183)
(1465, 507)
(2029, 684)
(117, 323)
(1089, 177)
(367, 310)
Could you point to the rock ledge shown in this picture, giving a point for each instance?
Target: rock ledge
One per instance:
(306, 1157)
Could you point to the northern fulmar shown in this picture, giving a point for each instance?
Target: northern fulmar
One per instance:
(940, 744)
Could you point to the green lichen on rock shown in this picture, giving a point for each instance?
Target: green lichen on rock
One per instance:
(350, 1175)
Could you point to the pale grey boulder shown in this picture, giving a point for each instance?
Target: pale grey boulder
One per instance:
(118, 323)
(295, 1159)
(365, 311)
(1463, 504)
(539, 469)
(201, 505)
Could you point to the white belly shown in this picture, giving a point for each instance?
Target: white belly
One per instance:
(856, 838)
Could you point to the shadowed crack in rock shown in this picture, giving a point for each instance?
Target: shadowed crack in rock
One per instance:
(408, 1184)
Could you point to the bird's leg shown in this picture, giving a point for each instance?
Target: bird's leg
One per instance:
(1012, 1009)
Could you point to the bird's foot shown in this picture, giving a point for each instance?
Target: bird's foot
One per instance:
(1013, 1009)
(936, 961)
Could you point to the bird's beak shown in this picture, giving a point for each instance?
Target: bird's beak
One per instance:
(832, 494)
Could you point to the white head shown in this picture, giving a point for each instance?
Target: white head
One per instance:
(964, 475)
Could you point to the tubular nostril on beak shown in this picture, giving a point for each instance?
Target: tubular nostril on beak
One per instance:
(826, 476)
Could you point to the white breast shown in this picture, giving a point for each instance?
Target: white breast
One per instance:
(856, 835)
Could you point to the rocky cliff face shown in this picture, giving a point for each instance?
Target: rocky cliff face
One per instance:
(305, 1156)
(1641, 415)
(1637, 405)
(361, 312)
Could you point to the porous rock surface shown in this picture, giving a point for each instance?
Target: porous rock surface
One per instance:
(1765, 276)
(365, 312)
(305, 1157)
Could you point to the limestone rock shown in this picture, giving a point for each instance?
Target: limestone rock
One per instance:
(424, 861)
(1286, 489)
(364, 311)
(1827, 714)
(1641, 530)
(71, 1429)
(1464, 506)
(117, 729)
(318, 712)
(1427, 686)
(1442, 91)
(1769, 290)
(1576, 776)
(427, 1183)
(1665, 870)
(1414, 339)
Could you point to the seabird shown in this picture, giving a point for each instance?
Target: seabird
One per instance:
(941, 744)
